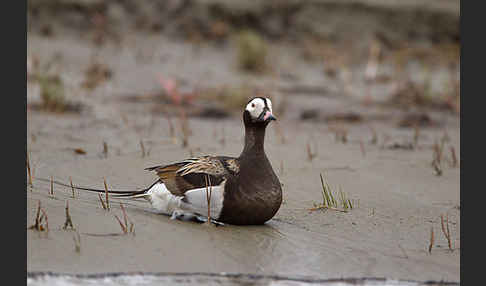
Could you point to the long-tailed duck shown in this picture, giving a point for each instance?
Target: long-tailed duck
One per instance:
(243, 190)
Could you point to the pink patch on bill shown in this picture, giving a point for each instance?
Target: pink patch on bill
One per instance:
(267, 115)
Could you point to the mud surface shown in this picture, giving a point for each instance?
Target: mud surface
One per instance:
(398, 194)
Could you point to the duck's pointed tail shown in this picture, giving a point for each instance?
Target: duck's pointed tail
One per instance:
(117, 194)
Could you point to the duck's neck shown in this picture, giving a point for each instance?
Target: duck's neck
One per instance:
(254, 139)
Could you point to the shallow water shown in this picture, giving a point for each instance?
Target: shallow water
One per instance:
(389, 242)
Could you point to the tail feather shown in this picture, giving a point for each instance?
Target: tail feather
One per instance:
(117, 194)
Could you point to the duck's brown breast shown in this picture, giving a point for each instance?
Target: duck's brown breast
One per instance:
(250, 201)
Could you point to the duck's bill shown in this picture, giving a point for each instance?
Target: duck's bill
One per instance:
(268, 116)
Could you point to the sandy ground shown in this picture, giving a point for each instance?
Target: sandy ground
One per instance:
(385, 235)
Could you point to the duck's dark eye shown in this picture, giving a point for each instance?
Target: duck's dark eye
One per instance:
(252, 105)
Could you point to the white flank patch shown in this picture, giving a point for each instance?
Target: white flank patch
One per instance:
(163, 201)
(197, 201)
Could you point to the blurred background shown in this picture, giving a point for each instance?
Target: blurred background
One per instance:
(212, 55)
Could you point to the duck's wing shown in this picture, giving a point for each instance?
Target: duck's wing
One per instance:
(196, 173)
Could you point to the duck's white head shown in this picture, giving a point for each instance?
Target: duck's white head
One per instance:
(259, 109)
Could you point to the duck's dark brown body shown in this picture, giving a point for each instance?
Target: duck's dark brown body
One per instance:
(254, 194)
